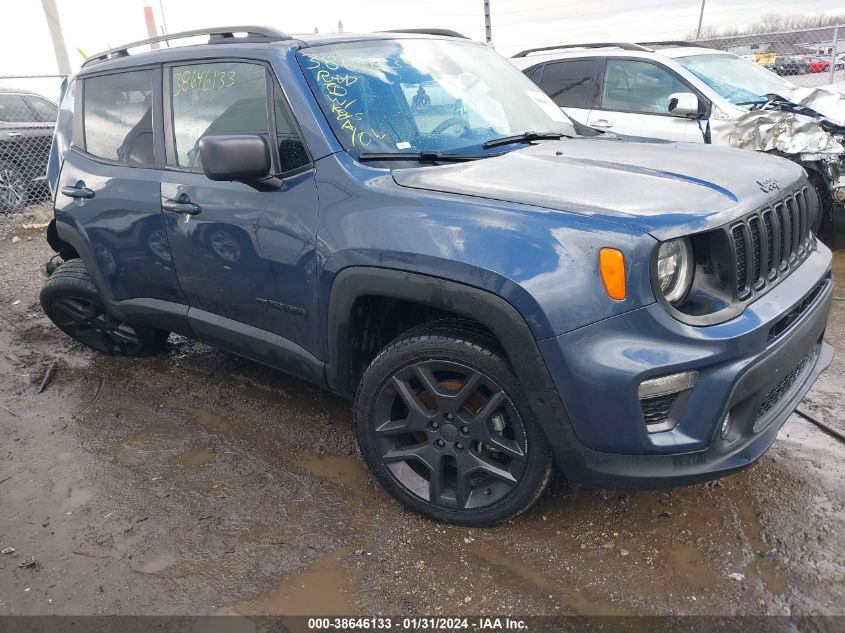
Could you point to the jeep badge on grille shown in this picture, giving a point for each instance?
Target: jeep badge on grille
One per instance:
(770, 184)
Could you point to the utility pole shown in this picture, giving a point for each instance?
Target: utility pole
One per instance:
(150, 19)
(488, 28)
(55, 25)
(833, 54)
(163, 19)
(700, 19)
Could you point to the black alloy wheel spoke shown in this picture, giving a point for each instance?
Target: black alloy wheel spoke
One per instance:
(89, 322)
(78, 311)
(472, 462)
(447, 401)
(449, 431)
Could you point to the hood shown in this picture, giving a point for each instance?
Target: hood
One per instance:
(666, 189)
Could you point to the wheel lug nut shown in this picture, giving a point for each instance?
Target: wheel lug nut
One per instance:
(464, 429)
(449, 416)
(441, 443)
(459, 446)
(434, 425)
(488, 491)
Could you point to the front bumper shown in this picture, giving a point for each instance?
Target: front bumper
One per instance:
(753, 366)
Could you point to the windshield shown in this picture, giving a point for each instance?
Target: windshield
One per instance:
(421, 95)
(737, 80)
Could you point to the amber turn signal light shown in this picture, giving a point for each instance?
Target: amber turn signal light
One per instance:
(612, 267)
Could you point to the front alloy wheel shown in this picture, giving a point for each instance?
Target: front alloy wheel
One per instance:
(445, 428)
(450, 435)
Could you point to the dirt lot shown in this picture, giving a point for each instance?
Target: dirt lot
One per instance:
(200, 483)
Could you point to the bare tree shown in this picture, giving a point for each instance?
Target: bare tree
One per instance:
(771, 23)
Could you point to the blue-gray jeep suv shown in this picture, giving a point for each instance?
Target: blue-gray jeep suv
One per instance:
(406, 220)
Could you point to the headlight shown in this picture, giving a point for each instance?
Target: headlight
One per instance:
(674, 269)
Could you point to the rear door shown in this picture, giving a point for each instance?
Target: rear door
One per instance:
(245, 257)
(108, 190)
(634, 100)
(572, 85)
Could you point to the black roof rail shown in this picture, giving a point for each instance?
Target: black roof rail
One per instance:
(441, 32)
(625, 46)
(216, 36)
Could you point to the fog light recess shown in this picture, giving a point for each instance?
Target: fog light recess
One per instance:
(662, 400)
(725, 428)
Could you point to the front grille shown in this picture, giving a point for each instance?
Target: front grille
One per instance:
(741, 263)
(772, 241)
(792, 316)
(782, 389)
(656, 410)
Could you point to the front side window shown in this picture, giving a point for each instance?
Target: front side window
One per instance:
(418, 95)
(570, 84)
(45, 111)
(13, 109)
(117, 117)
(641, 87)
(735, 79)
(216, 98)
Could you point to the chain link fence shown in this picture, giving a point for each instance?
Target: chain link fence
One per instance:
(27, 119)
(806, 57)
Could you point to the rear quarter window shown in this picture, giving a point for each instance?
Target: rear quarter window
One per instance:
(117, 116)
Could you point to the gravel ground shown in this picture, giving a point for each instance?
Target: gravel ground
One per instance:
(200, 483)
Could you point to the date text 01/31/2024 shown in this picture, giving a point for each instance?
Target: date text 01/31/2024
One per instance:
(416, 624)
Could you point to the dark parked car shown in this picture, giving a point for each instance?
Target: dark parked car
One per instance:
(491, 298)
(26, 130)
(788, 65)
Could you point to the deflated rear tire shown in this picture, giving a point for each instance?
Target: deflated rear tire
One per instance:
(71, 301)
(444, 426)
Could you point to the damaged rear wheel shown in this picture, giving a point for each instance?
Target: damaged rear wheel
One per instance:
(71, 301)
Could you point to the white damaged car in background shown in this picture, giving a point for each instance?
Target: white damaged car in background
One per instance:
(686, 93)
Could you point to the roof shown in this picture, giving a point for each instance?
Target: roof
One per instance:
(609, 51)
(17, 91)
(253, 38)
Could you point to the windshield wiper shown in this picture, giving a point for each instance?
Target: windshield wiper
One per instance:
(525, 137)
(422, 157)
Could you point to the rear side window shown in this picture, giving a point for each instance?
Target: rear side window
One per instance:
(216, 98)
(571, 84)
(641, 87)
(45, 112)
(117, 115)
(13, 109)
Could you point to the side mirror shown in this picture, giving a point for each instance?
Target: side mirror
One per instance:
(235, 157)
(683, 104)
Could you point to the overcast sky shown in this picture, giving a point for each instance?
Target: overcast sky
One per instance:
(94, 25)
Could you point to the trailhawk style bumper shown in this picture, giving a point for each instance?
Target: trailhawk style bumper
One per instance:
(653, 402)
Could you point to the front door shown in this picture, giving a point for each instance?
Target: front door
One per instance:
(245, 258)
(634, 101)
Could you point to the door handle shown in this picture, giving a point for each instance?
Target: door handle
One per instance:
(14, 134)
(601, 123)
(79, 190)
(182, 204)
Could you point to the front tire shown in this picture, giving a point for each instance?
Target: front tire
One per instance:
(71, 301)
(444, 426)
